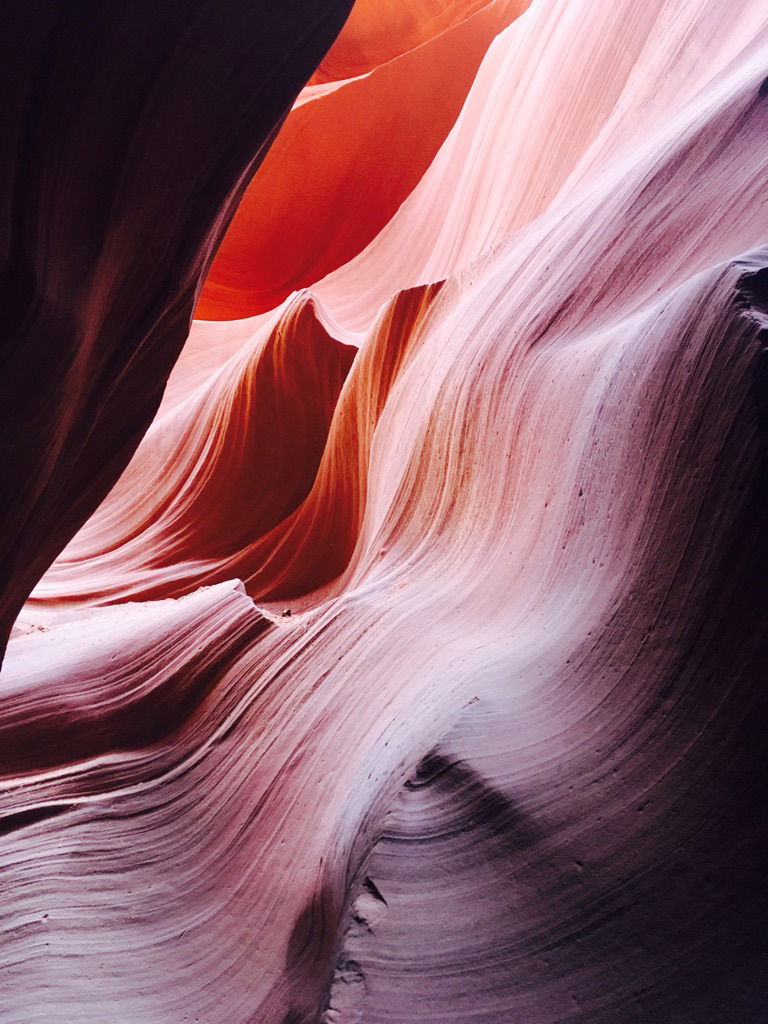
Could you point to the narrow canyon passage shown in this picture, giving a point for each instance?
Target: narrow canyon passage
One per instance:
(388, 643)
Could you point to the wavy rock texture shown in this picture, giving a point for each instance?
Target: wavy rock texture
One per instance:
(283, 518)
(350, 153)
(121, 169)
(504, 760)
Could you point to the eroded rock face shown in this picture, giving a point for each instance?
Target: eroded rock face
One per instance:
(131, 131)
(354, 146)
(414, 668)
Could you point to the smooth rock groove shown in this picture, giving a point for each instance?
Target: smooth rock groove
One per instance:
(403, 660)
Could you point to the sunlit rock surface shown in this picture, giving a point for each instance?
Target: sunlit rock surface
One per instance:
(352, 149)
(414, 668)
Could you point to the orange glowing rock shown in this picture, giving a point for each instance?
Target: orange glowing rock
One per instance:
(345, 160)
(414, 669)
